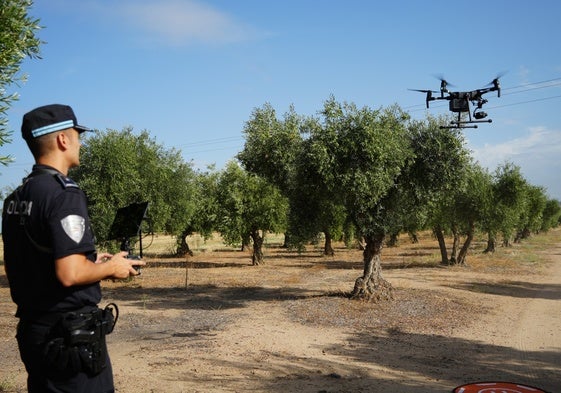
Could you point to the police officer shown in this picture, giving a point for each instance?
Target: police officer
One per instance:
(50, 257)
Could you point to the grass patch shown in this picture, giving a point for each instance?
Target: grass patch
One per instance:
(7, 385)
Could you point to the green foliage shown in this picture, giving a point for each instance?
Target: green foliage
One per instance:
(17, 41)
(472, 199)
(507, 201)
(440, 158)
(360, 155)
(248, 203)
(119, 168)
(276, 151)
(439, 165)
(551, 214)
(271, 146)
(205, 216)
(531, 219)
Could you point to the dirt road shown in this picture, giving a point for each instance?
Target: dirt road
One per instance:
(527, 324)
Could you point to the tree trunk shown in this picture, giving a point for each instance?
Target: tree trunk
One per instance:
(361, 244)
(463, 252)
(372, 286)
(286, 242)
(506, 242)
(455, 246)
(521, 235)
(257, 256)
(442, 245)
(414, 237)
(245, 242)
(393, 240)
(491, 243)
(328, 246)
(183, 247)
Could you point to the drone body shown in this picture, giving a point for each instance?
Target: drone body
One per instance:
(461, 101)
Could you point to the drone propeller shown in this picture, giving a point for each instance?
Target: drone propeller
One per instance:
(496, 83)
(497, 86)
(428, 92)
(424, 91)
(443, 84)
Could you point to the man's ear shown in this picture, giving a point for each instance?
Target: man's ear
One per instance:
(62, 140)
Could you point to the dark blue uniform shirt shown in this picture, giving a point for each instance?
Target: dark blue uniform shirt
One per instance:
(46, 219)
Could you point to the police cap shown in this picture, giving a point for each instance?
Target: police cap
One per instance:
(47, 119)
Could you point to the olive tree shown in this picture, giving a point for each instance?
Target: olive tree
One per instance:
(360, 154)
(119, 168)
(271, 146)
(248, 207)
(531, 219)
(441, 159)
(203, 218)
(551, 215)
(505, 205)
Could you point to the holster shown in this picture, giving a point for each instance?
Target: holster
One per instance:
(76, 342)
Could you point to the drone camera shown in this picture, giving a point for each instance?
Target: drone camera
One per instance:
(480, 115)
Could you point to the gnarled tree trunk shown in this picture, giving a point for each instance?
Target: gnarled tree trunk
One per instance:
(372, 286)
(183, 247)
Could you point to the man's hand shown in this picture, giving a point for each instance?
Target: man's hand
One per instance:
(103, 257)
(76, 269)
(124, 267)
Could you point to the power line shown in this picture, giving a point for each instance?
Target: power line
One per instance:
(535, 83)
(525, 102)
(212, 141)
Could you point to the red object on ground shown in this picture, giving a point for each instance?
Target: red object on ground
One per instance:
(497, 387)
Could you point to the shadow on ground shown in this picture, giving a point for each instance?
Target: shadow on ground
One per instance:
(519, 289)
(389, 362)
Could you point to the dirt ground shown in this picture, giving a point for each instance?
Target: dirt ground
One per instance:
(214, 323)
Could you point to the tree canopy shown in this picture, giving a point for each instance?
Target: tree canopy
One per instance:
(249, 207)
(119, 168)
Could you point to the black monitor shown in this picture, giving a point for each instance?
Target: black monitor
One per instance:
(127, 221)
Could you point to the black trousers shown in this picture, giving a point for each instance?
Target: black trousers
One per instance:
(31, 338)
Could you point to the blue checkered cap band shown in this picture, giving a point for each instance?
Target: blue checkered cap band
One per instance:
(63, 125)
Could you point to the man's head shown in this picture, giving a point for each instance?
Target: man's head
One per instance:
(42, 126)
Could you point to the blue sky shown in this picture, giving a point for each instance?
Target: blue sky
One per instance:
(192, 72)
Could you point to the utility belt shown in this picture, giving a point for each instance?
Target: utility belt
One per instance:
(76, 343)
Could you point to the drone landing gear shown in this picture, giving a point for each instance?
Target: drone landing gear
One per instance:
(454, 126)
(463, 124)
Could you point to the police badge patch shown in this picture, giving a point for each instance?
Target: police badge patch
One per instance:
(74, 226)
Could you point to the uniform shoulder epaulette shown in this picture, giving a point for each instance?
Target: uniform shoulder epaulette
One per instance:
(66, 182)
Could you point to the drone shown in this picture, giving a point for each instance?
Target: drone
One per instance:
(461, 101)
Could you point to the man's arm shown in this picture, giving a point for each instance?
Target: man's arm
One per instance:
(76, 269)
